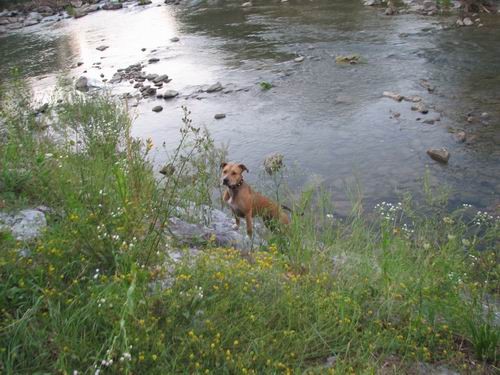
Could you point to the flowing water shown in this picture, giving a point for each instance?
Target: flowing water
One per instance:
(329, 120)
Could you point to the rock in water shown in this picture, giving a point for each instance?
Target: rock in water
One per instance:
(82, 84)
(215, 87)
(247, 4)
(168, 170)
(157, 108)
(299, 59)
(102, 48)
(174, 39)
(394, 96)
(153, 60)
(439, 154)
(219, 116)
(420, 107)
(468, 22)
(169, 94)
(461, 136)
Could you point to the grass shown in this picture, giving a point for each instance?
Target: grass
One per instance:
(98, 291)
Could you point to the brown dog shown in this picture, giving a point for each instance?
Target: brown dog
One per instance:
(245, 202)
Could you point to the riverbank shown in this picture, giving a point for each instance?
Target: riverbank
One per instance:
(30, 13)
(107, 286)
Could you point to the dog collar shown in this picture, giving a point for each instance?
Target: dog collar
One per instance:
(238, 184)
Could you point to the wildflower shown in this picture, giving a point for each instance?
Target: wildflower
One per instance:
(451, 237)
(448, 220)
(465, 242)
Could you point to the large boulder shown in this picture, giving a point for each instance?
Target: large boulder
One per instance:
(219, 231)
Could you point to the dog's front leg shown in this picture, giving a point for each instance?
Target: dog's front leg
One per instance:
(249, 220)
(237, 220)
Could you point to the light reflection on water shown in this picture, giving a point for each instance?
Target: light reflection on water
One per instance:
(329, 121)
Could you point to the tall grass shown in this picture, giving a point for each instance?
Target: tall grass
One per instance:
(98, 291)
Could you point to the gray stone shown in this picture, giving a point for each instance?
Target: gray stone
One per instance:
(412, 98)
(82, 84)
(160, 78)
(420, 107)
(93, 8)
(157, 108)
(215, 87)
(112, 6)
(299, 59)
(439, 154)
(102, 48)
(153, 60)
(45, 10)
(174, 39)
(219, 229)
(148, 91)
(82, 12)
(152, 76)
(169, 94)
(168, 170)
(30, 22)
(219, 116)
(467, 21)
(25, 225)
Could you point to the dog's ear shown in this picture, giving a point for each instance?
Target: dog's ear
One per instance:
(223, 164)
(243, 168)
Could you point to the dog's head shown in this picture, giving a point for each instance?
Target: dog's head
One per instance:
(232, 174)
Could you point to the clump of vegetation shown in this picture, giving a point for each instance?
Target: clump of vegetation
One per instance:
(266, 85)
(348, 59)
(99, 292)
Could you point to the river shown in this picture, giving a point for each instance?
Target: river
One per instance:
(330, 121)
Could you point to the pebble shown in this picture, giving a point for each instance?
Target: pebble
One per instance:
(102, 48)
(219, 116)
(157, 108)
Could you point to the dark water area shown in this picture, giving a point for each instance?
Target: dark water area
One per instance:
(330, 121)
